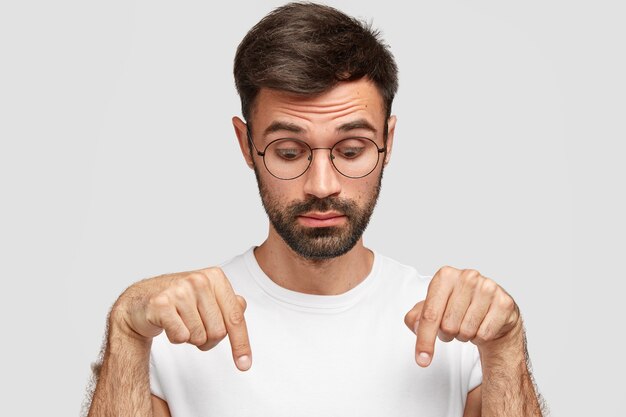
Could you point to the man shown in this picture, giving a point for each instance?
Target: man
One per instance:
(322, 332)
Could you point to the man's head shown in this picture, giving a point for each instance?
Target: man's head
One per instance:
(313, 75)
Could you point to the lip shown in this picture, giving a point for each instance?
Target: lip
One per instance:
(322, 216)
(327, 219)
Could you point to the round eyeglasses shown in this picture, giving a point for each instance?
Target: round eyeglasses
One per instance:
(288, 159)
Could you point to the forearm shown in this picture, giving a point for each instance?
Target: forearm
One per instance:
(123, 387)
(508, 388)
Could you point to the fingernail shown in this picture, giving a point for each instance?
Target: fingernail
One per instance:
(244, 363)
(423, 359)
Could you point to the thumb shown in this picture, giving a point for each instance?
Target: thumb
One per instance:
(413, 316)
(242, 302)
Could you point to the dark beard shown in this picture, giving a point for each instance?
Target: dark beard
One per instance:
(319, 243)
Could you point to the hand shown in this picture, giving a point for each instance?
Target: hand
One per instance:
(462, 305)
(198, 307)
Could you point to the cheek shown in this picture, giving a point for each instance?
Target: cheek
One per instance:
(280, 191)
(366, 189)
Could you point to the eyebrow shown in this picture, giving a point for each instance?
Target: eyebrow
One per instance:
(356, 124)
(278, 126)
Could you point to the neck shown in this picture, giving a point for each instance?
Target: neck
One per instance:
(321, 277)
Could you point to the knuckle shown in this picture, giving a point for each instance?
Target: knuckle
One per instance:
(465, 335)
(197, 280)
(448, 272)
(471, 276)
(505, 302)
(445, 270)
(409, 319)
(515, 315)
(154, 316)
(197, 341)
(210, 344)
(449, 328)
(449, 320)
(236, 317)
(159, 302)
(444, 337)
(429, 314)
(489, 286)
(217, 333)
(211, 271)
(242, 302)
(180, 291)
(178, 335)
(214, 274)
(197, 336)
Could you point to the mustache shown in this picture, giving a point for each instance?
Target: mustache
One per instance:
(341, 205)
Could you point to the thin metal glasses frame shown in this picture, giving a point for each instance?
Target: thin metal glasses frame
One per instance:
(310, 158)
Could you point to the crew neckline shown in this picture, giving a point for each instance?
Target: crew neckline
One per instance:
(318, 303)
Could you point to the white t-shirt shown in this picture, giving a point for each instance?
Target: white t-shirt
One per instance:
(342, 355)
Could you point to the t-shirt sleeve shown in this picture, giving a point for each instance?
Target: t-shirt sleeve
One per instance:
(476, 372)
(155, 384)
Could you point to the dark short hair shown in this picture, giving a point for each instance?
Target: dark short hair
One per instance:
(307, 48)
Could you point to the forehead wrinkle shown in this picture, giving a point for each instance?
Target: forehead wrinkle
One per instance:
(306, 121)
(326, 108)
(294, 114)
(347, 112)
(359, 121)
(302, 110)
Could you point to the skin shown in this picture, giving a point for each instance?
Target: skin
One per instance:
(200, 307)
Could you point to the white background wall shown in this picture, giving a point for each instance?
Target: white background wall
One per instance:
(118, 162)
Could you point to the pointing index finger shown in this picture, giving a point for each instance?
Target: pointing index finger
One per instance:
(235, 322)
(430, 317)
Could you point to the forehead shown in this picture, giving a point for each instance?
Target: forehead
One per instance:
(348, 100)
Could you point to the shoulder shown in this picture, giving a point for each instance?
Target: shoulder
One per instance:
(239, 269)
(401, 278)
(399, 271)
(237, 261)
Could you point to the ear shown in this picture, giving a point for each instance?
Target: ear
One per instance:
(241, 130)
(391, 129)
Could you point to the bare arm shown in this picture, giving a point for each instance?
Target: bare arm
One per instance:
(123, 382)
(198, 307)
(508, 388)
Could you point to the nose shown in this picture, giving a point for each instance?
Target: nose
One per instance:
(322, 179)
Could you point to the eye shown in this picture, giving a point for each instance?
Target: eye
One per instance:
(351, 148)
(350, 153)
(289, 154)
(289, 150)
